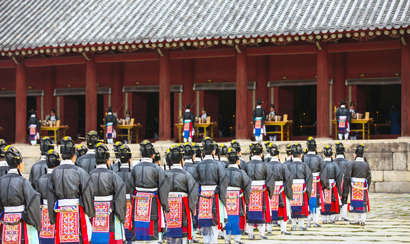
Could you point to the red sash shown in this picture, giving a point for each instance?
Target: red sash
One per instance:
(128, 216)
(232, 202)
(101, 221)
(47, 229)
(12, 234)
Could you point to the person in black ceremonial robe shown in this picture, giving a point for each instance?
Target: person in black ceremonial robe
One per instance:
(184, 192)
(19, 202)
(110, 126)
(263, 186)
(34, 127)
(188, 119)
(43, 186)
(358, 176)
(343, 119)
(259, 116)
(87, 162)
(237, 146)
(109, 199)
(343, 163)
(71, 196)
(213, 183)
(152, 186)
(320, 181)
(40, 168)
(238, 195)
(80, 151)
(4, 167)
(280, 205)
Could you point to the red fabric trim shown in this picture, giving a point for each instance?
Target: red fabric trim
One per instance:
(25, 232)
(159, 214)
(306, 207)
(242, 219)
(151, 228)
(188, 214)
(217, 211)
(112, 239)
(268, 210)
(84, 230)
(368, 201)
(132, 211)
(322, 204)
(57, 239)
(285, 213)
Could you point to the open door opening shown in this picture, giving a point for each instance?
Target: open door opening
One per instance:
(74, 116)
(304, 110)
(8, 119)
(227, 110)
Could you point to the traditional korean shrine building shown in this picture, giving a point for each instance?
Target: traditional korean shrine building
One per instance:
(154, 57)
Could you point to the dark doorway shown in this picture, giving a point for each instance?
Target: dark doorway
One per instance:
(304, 110)
(8, 119)
(74, 115)
(152, 115)
(32, 105)
(379, 102)
(227, 110)
(100, 113)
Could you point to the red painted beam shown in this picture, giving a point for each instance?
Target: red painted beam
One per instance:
(126, 57)
(363, 46)
(91, 94)
(7, 64)
(21, 103)
(38, 62)
(206, 53)
(281, 50)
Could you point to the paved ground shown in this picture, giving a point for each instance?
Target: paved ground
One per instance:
(387, 222)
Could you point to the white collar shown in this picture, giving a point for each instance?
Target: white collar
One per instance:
(259, 106)
(297, 159)
(43, 157)
(109, 113)
(33, 115)
(3, 163)
(274, 159)
(359, 159)
(342, 106)
(149, 160)
(311, 152)
(197, 160)
(176, 166)
(289, 158)
(256, 157)
(13, 171)
(189, 161)
(49, 171)
(209, 157)
(327, 159)
(224, 160)
(101, 166)
(91, 151)
(67, 161)
(187, 110)
(268, 155)
(233, 166)
(340, 156)
(124, 166)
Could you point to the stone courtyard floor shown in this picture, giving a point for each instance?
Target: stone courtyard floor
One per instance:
(387, 222)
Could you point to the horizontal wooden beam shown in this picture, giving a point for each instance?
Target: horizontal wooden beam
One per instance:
(281, 50)
(126, 57)
(205, 53)
(38, 62)
(363, 46)
(7, 64)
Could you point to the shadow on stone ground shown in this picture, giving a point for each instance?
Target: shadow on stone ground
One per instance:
(387, 222)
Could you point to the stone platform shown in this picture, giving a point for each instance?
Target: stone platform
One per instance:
(388, 159)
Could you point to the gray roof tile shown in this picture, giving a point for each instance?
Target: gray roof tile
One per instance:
(64, 23)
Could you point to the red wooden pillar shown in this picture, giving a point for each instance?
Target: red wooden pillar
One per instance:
(322, 93)
(91, 94)
(241, 95)
(405, 89)
(263, 92)
(164, 97)
(117, 83)
(49, 90)
(339, 87)
(21, 103)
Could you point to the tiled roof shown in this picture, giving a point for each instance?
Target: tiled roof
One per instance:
(60, 23)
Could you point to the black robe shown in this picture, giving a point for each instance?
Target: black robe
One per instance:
(259, 170)
(343, 163)
(87, 161)
(300, 170)
(259, 112)
(37, 170)
(282, 173)
(190, 167)
(16, 190)
(343, 112)
(357, 169)
(149, 175)
(238, 178)
(188, 115)
(183, 181)
(336, 174)
(110, 118)
(106, 183)
(317, 165)
(68, 181)
(34, 121)
(211, 172)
